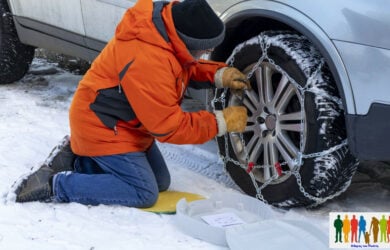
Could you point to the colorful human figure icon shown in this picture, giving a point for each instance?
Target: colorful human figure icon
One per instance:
(346, 228)
(367, 238)
(388, 230)
(338, 224)
(354, 229)
(362, 227)
(383, 228)
(374, 227)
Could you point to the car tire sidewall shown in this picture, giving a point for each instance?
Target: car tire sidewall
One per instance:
(315, 142)
(15, 57)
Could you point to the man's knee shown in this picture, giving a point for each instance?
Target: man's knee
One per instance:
(148, 198)
(163, 186)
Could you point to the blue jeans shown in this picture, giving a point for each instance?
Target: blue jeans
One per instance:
(132, 179)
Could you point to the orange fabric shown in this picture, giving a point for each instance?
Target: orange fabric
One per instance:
(154, 85)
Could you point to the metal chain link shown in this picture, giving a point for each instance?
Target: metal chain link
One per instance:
(299, 160)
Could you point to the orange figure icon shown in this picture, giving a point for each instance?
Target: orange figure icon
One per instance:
(383, 227)
(354, 228)
(375, 228)
(346, 228)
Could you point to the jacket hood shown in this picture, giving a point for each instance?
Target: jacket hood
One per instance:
(137, 23)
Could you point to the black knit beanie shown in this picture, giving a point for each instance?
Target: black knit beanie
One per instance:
(197, 24)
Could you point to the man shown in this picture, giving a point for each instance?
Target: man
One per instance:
(129, 98)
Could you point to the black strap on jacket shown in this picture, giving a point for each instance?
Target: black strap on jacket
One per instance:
(157, 19)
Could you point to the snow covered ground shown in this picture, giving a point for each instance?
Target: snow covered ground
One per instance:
(34, 118)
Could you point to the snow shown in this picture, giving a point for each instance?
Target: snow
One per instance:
(34, 118)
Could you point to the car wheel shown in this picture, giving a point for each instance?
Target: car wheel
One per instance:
(15, 57)
(293, 151)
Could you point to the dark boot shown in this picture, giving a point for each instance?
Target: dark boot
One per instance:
(37, 187)
(61, 157)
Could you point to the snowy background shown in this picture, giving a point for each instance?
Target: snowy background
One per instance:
(34, 118)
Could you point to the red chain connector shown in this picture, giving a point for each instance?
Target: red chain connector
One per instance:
(278, 168)
(251, 165)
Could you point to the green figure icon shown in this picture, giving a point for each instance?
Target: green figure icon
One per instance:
(346, 228)
(362, 226)
(375, 228)
(338, 224)
(383, 227)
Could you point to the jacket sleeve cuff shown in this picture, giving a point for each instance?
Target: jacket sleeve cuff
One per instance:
(218, 77)
(222, 128)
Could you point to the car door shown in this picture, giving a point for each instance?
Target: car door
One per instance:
(63, 14)
(101, 18)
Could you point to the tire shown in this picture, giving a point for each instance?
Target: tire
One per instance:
(315, 123)
(15, 57)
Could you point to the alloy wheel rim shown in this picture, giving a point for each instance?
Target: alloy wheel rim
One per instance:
(276, 126)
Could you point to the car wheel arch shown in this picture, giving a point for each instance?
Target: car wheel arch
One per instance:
(259, 20)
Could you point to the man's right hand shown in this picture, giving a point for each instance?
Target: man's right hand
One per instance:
(235, 118)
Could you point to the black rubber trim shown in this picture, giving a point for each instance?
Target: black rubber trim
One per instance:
(41, 35)
(369, 135)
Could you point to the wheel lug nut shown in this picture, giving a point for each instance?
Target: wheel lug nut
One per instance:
(260, 120)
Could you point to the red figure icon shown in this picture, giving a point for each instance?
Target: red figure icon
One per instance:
(388, 229)
(354, 228)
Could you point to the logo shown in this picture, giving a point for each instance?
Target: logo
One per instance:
(359, 230)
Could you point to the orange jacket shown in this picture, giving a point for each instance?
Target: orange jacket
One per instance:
(133, 90)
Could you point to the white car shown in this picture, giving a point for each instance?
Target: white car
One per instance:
(319, 72)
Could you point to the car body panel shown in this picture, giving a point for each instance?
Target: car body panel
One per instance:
(368, 69)
(357, 21)
(361, 24)
(305, 25)
(103, 29)
(66, 15)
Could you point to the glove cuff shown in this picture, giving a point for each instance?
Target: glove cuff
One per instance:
(221, 123)
(218, 77)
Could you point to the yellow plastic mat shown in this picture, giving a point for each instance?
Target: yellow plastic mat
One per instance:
(167, 200)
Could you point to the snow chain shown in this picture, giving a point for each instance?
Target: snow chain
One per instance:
(298, 162)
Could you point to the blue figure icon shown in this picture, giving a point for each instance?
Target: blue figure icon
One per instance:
(362, 226)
